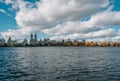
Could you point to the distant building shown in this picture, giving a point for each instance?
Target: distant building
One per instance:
(53, 42)
(68, 41)
(83, 40)
(25, 42)
(33, 40)
(44, 42)
(11, 42)
(35, 36)
(40, 42)
(2, 42)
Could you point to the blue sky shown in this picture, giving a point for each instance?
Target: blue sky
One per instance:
(116, 5)
(11, 23)
(7, 22)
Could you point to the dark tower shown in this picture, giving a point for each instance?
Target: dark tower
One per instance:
(31, 36)
(9, 40)
(35, 36)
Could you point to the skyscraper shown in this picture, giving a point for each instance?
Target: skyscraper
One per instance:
(9, 40)
(31, 36)
(35, 36)
(33, 40)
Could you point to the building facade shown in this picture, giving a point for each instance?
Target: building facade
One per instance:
(2, 42)
(11, 42)
(25, 42)
(33, 39)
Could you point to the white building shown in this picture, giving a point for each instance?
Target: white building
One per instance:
(2, 41)
(24, 43)
(53, 42)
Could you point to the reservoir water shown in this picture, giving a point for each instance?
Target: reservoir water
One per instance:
(60, 64)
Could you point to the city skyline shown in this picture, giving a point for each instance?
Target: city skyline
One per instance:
(35, 42)
(60, 19)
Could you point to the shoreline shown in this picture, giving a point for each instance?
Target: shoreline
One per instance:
(59, 46)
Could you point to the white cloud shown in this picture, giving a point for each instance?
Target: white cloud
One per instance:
(105, 18)
(54, 10)
(48, 12)
(21, 33)
(97, 22)
(105, 33)
(61, 19)
(3, 11)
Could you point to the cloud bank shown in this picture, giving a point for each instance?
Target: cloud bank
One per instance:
(63, 19)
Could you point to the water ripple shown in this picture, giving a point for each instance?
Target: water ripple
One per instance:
(60, 64)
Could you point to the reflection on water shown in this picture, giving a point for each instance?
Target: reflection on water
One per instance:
(60, 64)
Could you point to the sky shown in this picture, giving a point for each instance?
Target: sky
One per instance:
(60, 19)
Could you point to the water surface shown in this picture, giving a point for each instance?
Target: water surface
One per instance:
(60, 64)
